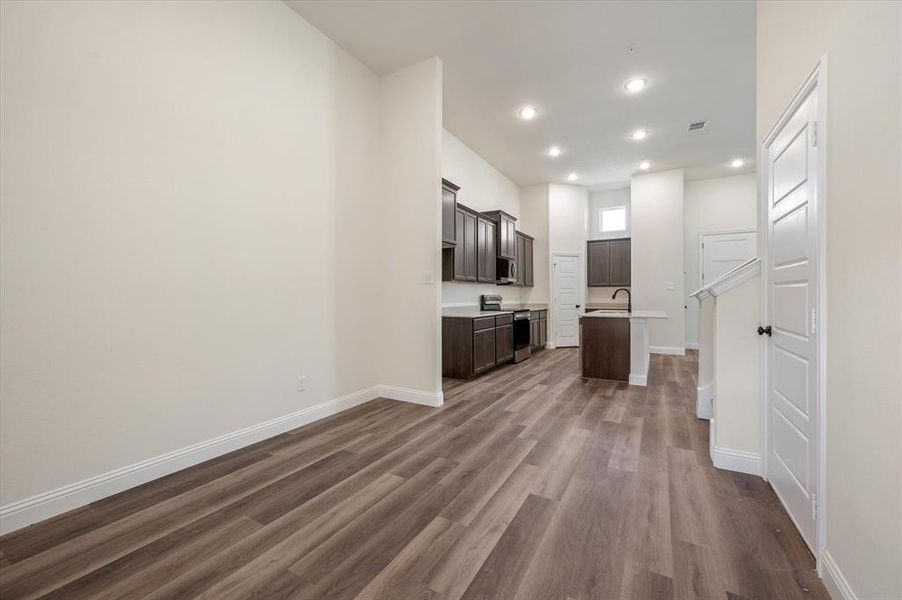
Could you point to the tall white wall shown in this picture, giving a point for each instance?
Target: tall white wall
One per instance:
(656, 206)
(861, 41)
(710, 205)
(411, 102)
(193, 216)
(567, 230)
(534, 220)
(597, 201)
(482, 188)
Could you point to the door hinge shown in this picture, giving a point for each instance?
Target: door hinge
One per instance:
(814, 134)
(814, 507)
(813, 321)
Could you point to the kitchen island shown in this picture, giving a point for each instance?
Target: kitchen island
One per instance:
(614, 344)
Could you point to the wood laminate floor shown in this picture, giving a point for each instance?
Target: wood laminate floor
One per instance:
(529, 483)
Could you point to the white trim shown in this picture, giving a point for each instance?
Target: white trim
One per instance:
(16, 515)
(675, 350)
(391, 392)
(638, 379)
(736, 460)
(834, 580)
(816, 79)
(550, 346)
(704, 402)
(730, 279)
(691, 345)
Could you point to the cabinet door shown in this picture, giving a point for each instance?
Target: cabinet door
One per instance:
(543, 333)
(619, 262)
(511, 236)
(521, 259)
(599, 264)
(481, 248)
(483, 349)
(449, 212)
(460, 273)
(534, 333)
(504, 343)
(470, 255)
(527, 262)
(491, 251)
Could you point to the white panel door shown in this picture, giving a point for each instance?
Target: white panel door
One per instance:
(723, 252)
(566, 300)
(791, 302)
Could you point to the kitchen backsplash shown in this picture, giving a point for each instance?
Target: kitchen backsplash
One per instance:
(467, 294)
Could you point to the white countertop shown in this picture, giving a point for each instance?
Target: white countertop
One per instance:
(636, 314)
(472, 312)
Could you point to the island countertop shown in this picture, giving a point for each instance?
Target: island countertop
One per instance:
(614, 314)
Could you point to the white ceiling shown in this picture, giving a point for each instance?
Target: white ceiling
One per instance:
(571, 60)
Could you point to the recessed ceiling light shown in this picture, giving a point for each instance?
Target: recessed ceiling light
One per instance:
(644, 165)
(554, 151)
(572, 176)
(639, 134)
(737, 162)
(635, 85)
(528, 113)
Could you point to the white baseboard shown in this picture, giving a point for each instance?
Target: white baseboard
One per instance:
(737, 460)
(834, 580)
(691, 345)
(677, 351)
(49, 504)
(704, 403)
(550, 346)
(638, 379)
(408, 395)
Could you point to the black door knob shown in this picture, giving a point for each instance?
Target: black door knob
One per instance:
(763, 330)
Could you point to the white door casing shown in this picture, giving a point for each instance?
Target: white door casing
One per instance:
(723, 251)
(566, 299)
(792, 203)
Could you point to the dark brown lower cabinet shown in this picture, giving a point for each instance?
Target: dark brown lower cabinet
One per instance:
(604, 348)
(538, 329)
(504, 343)
(471, 345)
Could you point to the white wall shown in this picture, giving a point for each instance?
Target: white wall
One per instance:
(861, 41)
(410, 315)
(534, 220)
(606, 199)
(482, 188)
(193, 217)
(721, 204)
(656, 205)
(567, 230)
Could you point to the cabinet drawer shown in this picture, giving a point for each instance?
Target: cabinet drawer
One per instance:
(504, 319)
(483, 323)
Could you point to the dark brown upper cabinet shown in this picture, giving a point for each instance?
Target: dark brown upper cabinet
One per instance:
(486, 250)
(608, 263)
(524, 259)
(507, 233)
(449, 213)
(472, 257)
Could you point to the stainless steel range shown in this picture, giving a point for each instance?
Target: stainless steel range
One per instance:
(492, 302)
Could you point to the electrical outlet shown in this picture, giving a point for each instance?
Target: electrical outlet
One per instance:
(428, 278)
(302, 383)
(671, 285)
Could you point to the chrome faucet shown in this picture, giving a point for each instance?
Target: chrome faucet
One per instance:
(629, 298)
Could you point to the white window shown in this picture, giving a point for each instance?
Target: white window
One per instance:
(612, 219)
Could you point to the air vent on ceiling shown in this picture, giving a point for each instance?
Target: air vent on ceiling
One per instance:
(697, 126)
